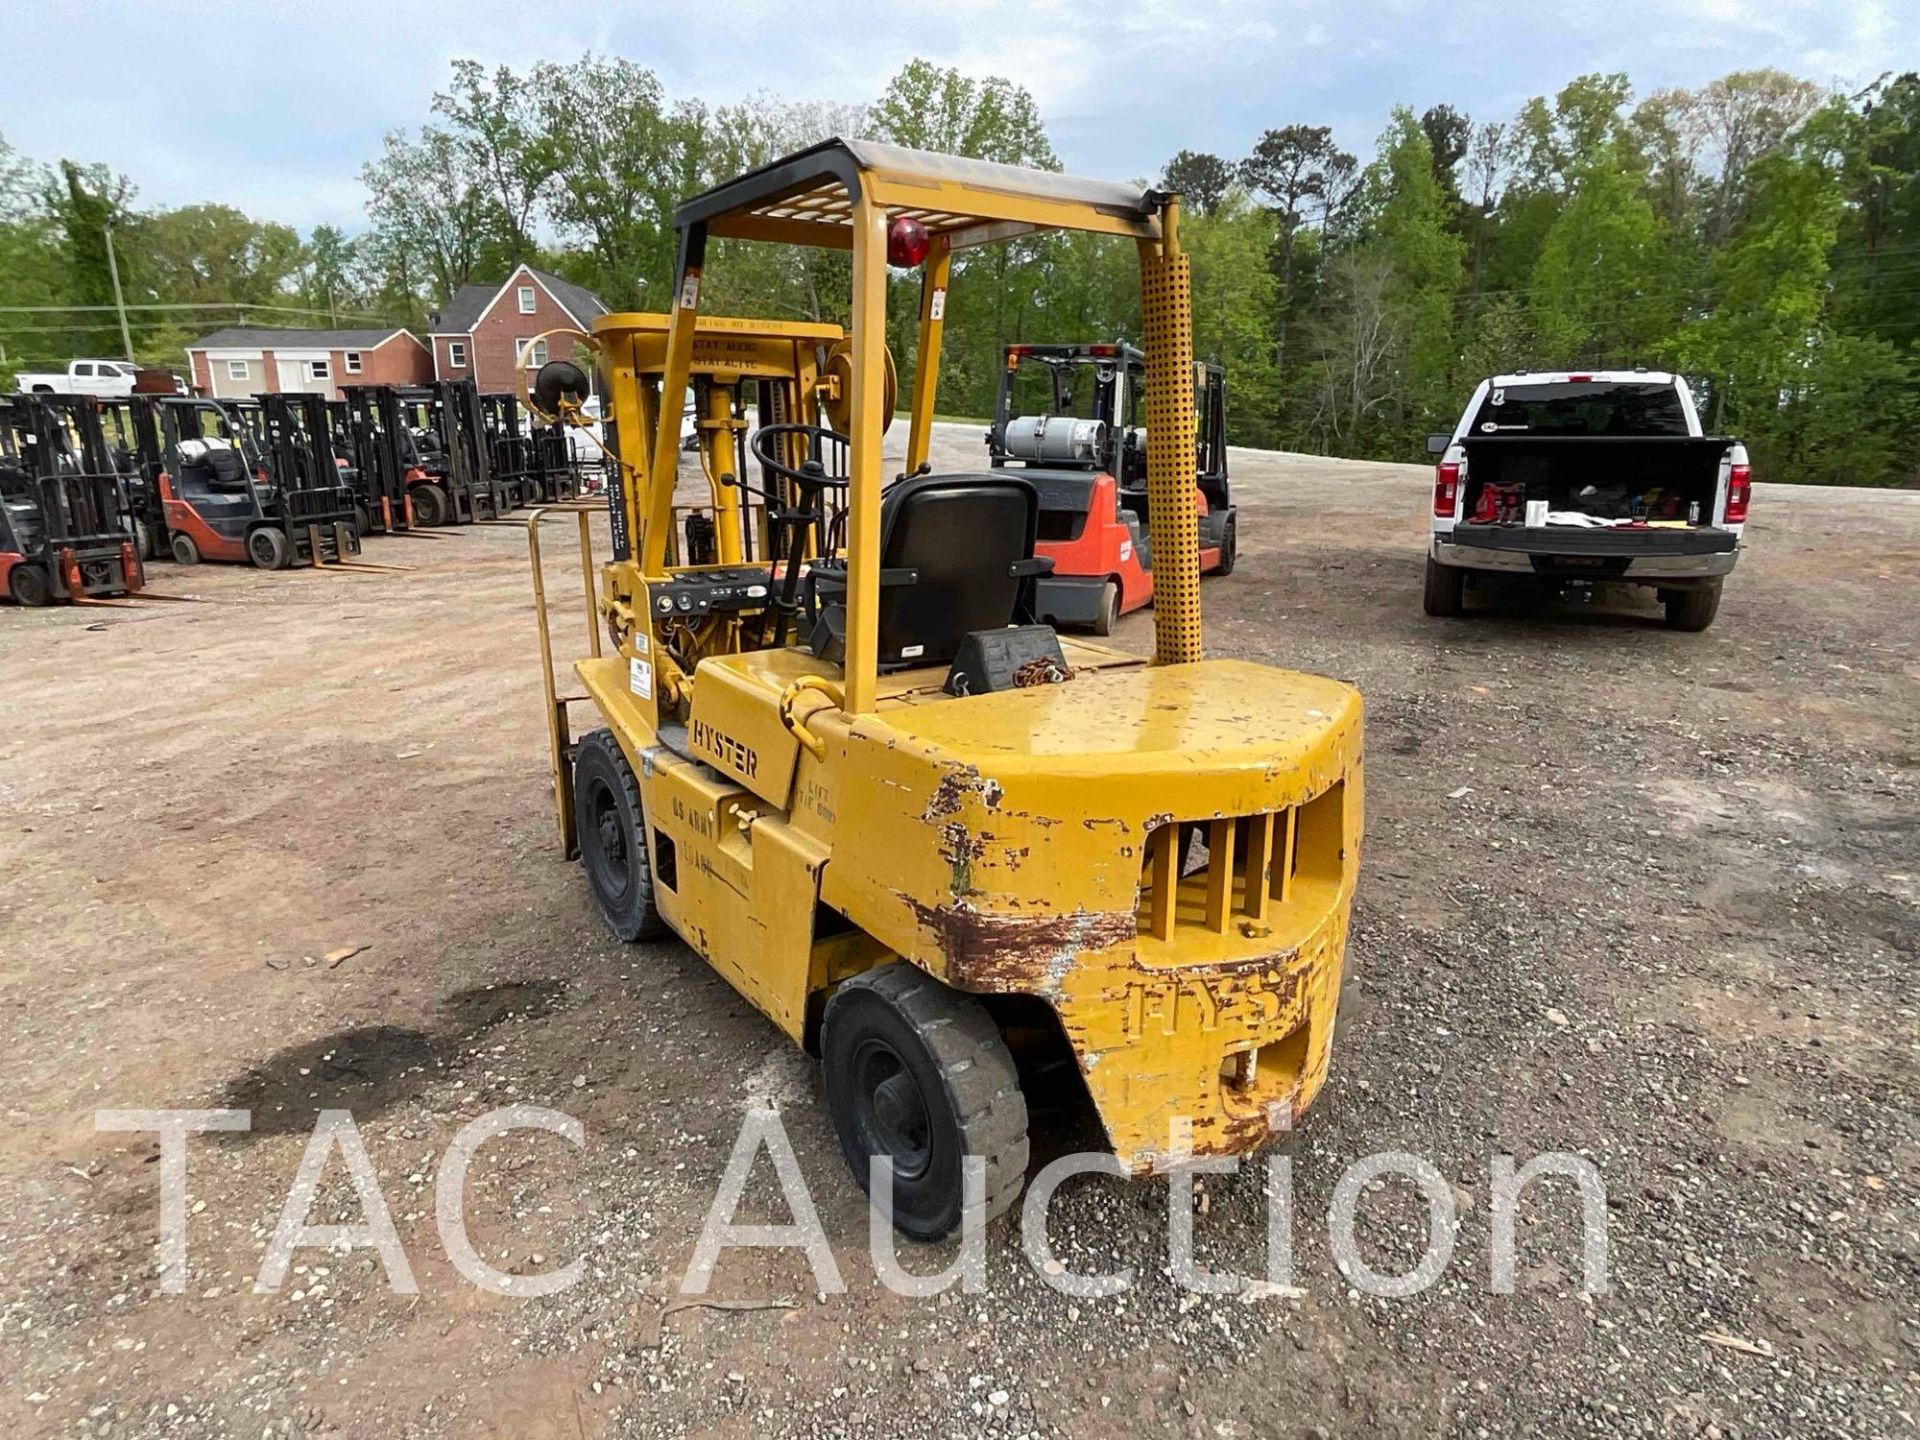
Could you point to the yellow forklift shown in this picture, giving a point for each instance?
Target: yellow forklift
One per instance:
(938, 845)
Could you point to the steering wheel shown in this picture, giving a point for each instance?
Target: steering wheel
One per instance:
(810, 474)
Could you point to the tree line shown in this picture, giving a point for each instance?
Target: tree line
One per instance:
(1759, 234)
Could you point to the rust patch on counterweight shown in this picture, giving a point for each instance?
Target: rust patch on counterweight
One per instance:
(995, 951)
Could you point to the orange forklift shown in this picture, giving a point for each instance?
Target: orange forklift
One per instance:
(202, 489)
(63, 535)
(1071, 418)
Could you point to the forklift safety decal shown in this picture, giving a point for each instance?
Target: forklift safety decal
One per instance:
(640, 678)
(937, 307)
(690, 290)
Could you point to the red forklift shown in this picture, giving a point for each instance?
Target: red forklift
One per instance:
(202, 488)
(1070, 416)
(63, 532)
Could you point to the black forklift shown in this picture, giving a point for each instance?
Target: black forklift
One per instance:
(309, 500)
(531, 461)
(63, 527)
(384, 460)
(448, 434)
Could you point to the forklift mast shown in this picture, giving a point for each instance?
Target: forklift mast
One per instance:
(65, 516)
(382, 455)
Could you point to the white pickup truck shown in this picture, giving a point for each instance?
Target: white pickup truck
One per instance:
(1590, 477)
(82, 377)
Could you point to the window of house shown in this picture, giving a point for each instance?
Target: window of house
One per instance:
(353, 362)
(526, 299)
(534, 357)
(236, 369)
(456, 355)
(318, 369)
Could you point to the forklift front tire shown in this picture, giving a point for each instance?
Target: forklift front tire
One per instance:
(1229, 546)
(362, 521)
(429, 505)
(185, 552)
(918, 1072)
(1446, 589)
(613, 838)
(1109, 615)
(28, 586)
(143, 541)
(268, 548)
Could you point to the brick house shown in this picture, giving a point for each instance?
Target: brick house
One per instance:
(247, 361)
(477, 335)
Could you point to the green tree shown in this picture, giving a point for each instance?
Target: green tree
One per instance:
(928, 107)
(1201, 178)
(1410, 229)
(496, 119)
(1602, 290)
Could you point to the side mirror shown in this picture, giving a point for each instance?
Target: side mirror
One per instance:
(1437, 444)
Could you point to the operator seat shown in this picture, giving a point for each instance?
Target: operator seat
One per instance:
(956, 556)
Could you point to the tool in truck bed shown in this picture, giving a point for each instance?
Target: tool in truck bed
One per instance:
(919, 867)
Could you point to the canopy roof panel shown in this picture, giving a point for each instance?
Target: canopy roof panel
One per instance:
(808, 198)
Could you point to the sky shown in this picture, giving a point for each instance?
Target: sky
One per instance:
(274, 107)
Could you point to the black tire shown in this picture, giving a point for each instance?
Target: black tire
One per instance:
(143, 541)
(917, 1071)
(362, 522)
(1445, 590)
(29, 586)
(185, 552)
(268, 548)
(429, 505)
(609, 822)
(1109, 615)
(1229, 546)
(1692, 610)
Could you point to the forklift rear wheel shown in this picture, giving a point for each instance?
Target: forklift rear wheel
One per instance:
(1109, 615)
(1229, 546)
(1446, 589)
(429, 505)
(185, 552)
(28, 585)
(918, 1072)
(268, 548)
(613, 838)
(1692, 610)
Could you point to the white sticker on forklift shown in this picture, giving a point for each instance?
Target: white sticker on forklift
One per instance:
(639, 644)
(640, 678)
(937, 307)
(1126, 549)
(690, 291)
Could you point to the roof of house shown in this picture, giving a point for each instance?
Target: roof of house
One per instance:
(461, 313)
(247, 336)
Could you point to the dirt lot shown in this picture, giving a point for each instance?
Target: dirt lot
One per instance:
(1644, 896)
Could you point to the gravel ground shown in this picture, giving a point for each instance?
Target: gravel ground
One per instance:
(1644, 897)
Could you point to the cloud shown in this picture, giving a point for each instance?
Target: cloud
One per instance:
(275, 106)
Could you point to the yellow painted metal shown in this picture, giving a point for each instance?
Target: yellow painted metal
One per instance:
(926, 368)
(664, 457)
(1166, 311)
(864, 462)
(719, 459)
(1024, 842)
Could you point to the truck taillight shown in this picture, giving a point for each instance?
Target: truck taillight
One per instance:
(1739, 492)
(1446, 487)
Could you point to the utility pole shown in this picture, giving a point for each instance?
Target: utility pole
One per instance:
(119, 301)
